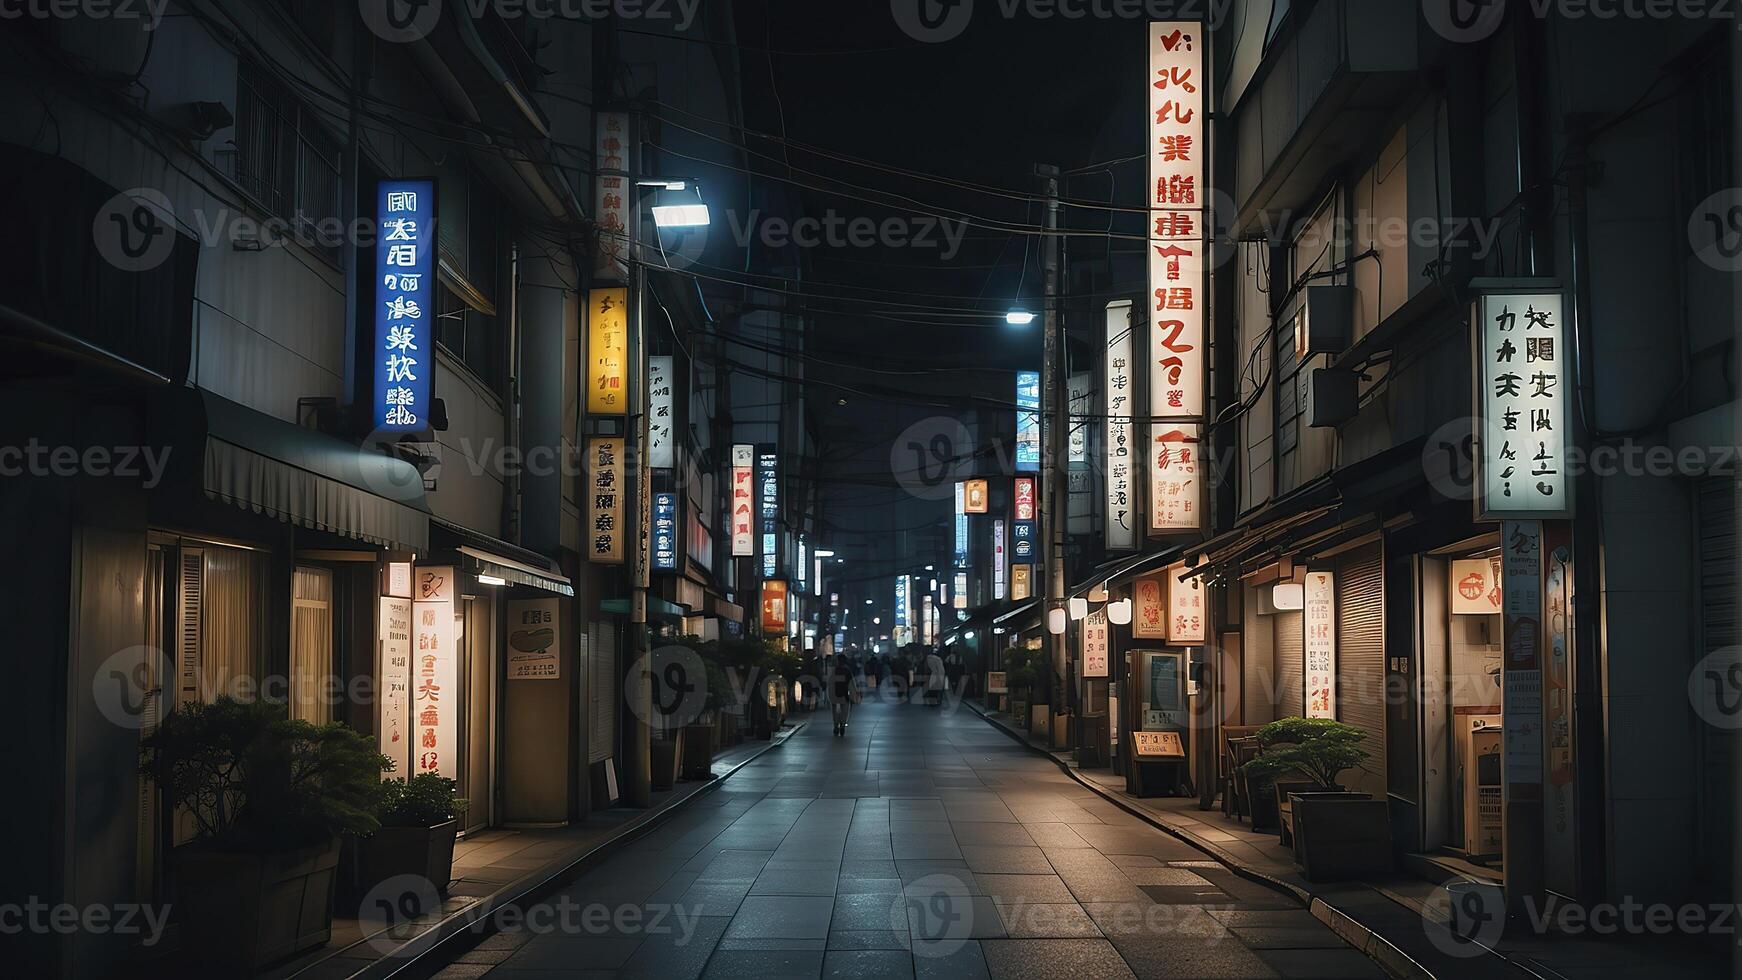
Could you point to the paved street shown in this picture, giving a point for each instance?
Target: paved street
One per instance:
(924, 843)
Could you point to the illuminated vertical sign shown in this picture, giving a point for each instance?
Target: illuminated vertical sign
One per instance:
(404, 304)
(659, 412)
(1523, 407)
(393, 738)
(1319, 621)
(743, 501)
(1082, 395)
(605, 499)
(960, 592)
(1024, 494)
(611, 198)
(774, 606)
(1021, 582)
(1095, 644)
(665, 532)
(1187, 619)
(607, 350)
(961, 525)
(435, 673)
(1148, 609)
(1178, 302)
(1028, 421)
(803, 567)
(901, 600)
(929, 620)
(998, 559)
(768, 486)
(1121, 450)
(975, 497)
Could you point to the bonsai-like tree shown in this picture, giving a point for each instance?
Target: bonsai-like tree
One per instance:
(424, 800)
(1319, 749)
(252, 779)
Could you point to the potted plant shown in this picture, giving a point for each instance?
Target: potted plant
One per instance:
(267, 798)
(1334, 833)
(420, 818)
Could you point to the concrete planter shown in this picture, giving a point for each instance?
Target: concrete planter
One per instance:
(241, 911)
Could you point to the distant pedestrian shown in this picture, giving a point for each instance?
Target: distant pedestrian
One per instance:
(935, 679)
(840, 689)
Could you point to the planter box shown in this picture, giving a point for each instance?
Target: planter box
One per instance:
(1039, 717)
(1341, 835)
(427, 852)
(1283, 791)
(699, 745)
(242, 911)
(1265, 815)
(1063, 732)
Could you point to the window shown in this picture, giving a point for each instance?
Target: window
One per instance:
(472, 265)
(470, 335)
(286, 160)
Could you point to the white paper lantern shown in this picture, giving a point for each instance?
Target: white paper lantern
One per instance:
(1119, 613)
(1055, 621)
(1079, 608)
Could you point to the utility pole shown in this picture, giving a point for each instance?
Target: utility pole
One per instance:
(638, 695)
(1054, 441)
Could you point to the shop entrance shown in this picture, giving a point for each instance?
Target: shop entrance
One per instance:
(477, 711)
(1462, 722)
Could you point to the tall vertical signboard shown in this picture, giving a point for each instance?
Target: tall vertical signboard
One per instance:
(605, 499)
(404, 304)
(998, 559)
(1522, 404)
(611, 199)
(743, 501)
(1028, 421)
(1121, 476)
(768, 488)
(435, 672)
(1178, 300)
(607, 351)
(665, 532)
(659, 409)
(395, 632)
(1319, 647)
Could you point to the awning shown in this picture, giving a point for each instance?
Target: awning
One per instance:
(1030, 606)
(655, 607)
(302, 476)
(509, 570)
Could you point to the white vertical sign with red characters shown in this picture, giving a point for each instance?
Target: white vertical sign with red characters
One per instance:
(1178, 300)
(1319, 621)
(1025, 498)
(1187, 619)
(743, 501)
(435, 672)
(611, 195)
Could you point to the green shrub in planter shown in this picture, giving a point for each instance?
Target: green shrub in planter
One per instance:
(268, 798)
(1319, 749)
(424, 800)
(419, 823)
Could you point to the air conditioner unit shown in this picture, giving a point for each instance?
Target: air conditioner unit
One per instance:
(1332, 397)
(1325, 321)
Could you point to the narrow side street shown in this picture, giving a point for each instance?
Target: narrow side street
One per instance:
(925, 843)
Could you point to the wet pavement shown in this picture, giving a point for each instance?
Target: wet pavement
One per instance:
(925, 843)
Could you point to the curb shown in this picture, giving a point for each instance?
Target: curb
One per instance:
(1391, 959)
(412, 958)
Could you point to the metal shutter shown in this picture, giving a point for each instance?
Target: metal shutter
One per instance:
(1718, 557)
(1361, 652)
(1290, 664)
(1258, 666)
(603, 690)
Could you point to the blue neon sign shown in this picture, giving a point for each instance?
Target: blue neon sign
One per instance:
(405, 292)
(1028, 421)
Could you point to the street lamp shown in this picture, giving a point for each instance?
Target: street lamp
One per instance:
(680, 215)
(1019, 318)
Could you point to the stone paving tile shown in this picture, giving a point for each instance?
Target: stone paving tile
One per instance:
(924, 845)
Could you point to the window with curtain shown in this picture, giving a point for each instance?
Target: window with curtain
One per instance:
(311, 644)
(232, 609)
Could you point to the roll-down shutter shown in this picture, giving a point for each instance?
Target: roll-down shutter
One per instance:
(1717, 544)
(1361, 652)
(1290, 664)
(603, 690)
